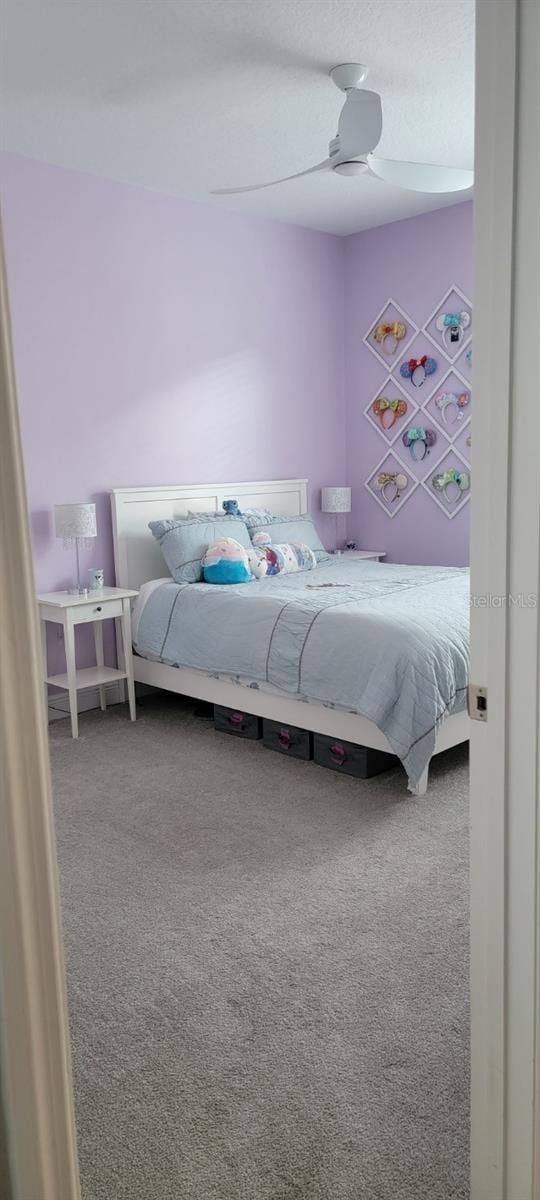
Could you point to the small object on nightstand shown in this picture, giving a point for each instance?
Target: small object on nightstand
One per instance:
(96, 579)
(68, 610)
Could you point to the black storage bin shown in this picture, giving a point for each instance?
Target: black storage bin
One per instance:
(348, 759)
(234, 720)
(288, 739)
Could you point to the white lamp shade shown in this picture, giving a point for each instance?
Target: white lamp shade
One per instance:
(336, 499)
(75, 520)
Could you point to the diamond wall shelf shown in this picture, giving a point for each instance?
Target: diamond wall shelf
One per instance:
(462, 363)
(393, 464)
(449, 460)
(391, 390)
(451, 381)
(453, 301)
(390, 312)
(419, 346)
(462, 443)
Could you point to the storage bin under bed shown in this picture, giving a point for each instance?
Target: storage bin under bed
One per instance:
(237, 722)
(287, 739)
(349, 759)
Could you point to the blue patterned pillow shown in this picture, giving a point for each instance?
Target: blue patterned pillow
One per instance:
(184, 542)
(293, 529)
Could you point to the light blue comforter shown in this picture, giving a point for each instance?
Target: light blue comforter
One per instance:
(389, 642)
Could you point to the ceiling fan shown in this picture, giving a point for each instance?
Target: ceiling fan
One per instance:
(359, 132)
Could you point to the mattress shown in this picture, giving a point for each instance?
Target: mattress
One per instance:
(386, 641)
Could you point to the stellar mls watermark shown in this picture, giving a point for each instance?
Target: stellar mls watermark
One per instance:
(507, 600)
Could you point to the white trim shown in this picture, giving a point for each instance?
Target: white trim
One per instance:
(493, 231)
(505, 640)
(523, 710)
(34, 1035)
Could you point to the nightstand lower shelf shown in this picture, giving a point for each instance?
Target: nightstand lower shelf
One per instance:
(87, 677)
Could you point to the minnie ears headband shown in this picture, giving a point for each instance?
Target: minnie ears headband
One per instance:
(388, 411)
(390, 485)
(452, 326)
(416, 369)
(389, 334)
(452, 402)
(452, 483)
(418, 440)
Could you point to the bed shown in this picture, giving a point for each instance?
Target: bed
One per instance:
(375, 654)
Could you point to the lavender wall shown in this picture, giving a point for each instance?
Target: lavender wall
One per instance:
(414, 261)
(158, 341)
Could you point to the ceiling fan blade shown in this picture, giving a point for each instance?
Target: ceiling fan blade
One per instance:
(256, 187)
(421, 177)
(360, 123)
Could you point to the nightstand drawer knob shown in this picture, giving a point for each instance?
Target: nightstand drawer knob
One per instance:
(98, 609)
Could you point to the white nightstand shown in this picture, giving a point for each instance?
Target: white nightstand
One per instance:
(349, 554)
(69, 611)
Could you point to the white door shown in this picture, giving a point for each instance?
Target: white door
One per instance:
(505, 557)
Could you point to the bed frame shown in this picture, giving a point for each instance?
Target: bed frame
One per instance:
(138, 558)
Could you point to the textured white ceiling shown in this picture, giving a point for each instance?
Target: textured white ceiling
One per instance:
(188, 95)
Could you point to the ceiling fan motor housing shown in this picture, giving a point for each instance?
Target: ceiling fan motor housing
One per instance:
(348, 75)
(353, 166)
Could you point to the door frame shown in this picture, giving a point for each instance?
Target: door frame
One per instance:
(505, 765)
(36, 1085)
(505, 634)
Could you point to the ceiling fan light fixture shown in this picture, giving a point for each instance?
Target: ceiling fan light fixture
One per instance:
(352, 167)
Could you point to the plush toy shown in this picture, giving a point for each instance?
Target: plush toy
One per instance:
(258, 564)
(226, 561)
(283, 557)
(231, 508)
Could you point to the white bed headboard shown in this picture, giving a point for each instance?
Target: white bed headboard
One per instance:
(137, 555)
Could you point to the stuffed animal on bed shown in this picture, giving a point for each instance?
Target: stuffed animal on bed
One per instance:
(283, 557)
(258, 564)
(230, 507)
(227, 561)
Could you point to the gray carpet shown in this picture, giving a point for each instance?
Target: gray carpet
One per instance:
(267, 968)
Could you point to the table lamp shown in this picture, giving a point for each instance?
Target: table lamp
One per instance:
(336, 500)
(75, 523)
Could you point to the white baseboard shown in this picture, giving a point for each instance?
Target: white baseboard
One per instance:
(58, 706)
(59, 702)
